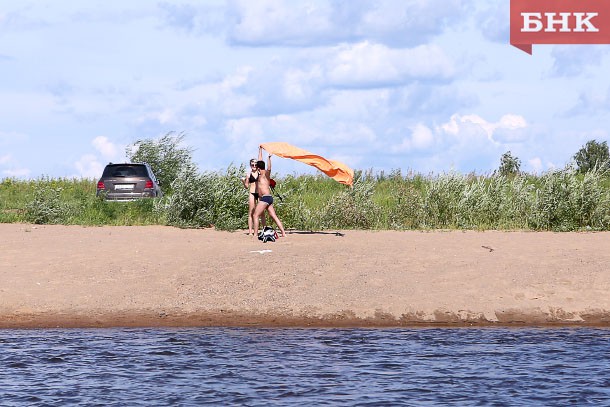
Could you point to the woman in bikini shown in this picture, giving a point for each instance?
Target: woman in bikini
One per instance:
(249, 182)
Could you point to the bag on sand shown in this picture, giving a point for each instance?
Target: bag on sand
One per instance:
(268, 235)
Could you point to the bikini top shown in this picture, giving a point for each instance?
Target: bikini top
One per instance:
(251, 179)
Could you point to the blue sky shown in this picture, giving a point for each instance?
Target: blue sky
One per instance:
(417, 85)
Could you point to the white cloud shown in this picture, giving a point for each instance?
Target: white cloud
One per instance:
(17, 172)
(322, 136)
(572, 60)
(237, 79)
(305, 81)
(315, 23)
(166, 116)
(11, 137)
(507, 129)
(590, 102)
(405, 22)
(465, 143)
(88, 166)
(421, 138)
(297, 84)
(511, 122)
(265, 22)
(13, 170)
(493, 21)
(468, 126)
(369, 65)
(344, 134)
(241, 130)
(536, 164)
(510, 129)
(105, 147)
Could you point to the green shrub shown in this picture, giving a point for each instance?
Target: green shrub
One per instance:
(405, 207)
(566, 201)
(516, 201)
(558, 200)
(46, 205)
(211, 198)
(442, 200)
(593, 156)
(352, 208)
(166, 156)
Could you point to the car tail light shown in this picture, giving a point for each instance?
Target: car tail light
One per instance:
(100, 185)
(149, 184)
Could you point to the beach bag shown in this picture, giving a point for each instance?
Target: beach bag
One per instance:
(268, 235)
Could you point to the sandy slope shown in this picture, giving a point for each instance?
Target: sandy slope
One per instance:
(154, 276)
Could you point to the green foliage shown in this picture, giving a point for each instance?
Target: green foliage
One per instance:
(165, 156)
(515, 203)
(304, 199)
(566, 201)
(97, 211)
(408, 211)
(593, 155)
(352, 208)
(442, 199)
(46, 205)
(509, 165)
(559, 200)
(70, 202)
(292, 208)
(211, 198)
(480, 203)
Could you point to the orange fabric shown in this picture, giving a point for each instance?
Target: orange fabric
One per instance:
(334, 169)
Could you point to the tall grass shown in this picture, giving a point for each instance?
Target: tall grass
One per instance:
(208, 199)
(561, 200)
(70, 202)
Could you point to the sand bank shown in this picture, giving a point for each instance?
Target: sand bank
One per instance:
(73, 276)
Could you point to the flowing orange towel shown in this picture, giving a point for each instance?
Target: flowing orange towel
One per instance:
(334, 169)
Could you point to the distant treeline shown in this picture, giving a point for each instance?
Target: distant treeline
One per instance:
(560, 200)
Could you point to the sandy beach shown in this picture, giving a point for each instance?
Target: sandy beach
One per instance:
(74, 276)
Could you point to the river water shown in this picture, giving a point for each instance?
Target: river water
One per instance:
(263, 367)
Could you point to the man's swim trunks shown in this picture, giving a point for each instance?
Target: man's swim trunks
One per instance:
(268, 199)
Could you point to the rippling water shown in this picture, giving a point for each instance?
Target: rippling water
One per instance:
(260, 367)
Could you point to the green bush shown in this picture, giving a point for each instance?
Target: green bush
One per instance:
(442, 200)
(593, 156)
(405, 207)
(208, 199)
(509, 165)
(166, 156)
(46, 205)
(566, 201)
(352, 208)
(560, 200)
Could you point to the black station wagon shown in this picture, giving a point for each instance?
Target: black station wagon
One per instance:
(128, 182)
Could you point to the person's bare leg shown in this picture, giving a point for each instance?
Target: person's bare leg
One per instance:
(277, 220)
(251, 207)
(258, 211)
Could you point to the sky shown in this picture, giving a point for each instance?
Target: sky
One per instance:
(424, 86)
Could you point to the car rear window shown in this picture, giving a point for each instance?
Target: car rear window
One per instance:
(125, 171)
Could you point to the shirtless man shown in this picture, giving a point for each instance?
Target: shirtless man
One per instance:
(265, 199)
